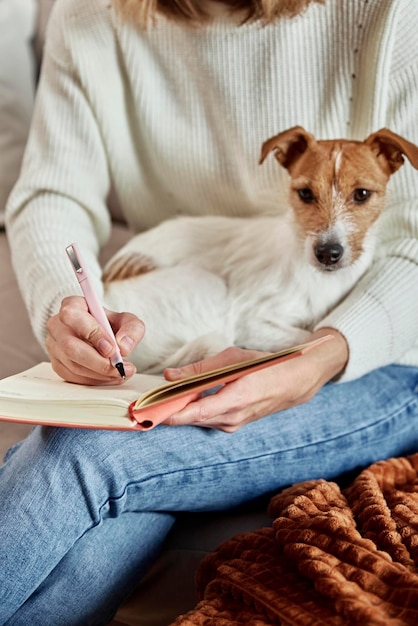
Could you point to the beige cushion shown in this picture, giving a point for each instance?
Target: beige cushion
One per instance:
(44, 9)
(17, 86)
(169, 590)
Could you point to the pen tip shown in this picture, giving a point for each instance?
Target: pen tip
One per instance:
(121, 370)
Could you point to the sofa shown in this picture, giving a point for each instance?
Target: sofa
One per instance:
(168, 590)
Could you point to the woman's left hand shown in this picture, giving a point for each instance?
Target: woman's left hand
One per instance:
(267, 391)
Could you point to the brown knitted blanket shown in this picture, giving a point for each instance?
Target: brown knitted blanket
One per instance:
(331, 557)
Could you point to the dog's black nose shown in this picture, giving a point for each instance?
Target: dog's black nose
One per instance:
(328, 253)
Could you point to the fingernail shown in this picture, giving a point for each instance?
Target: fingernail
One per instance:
(174, 372)
(129, 369)
(105, 347)
(127, 344)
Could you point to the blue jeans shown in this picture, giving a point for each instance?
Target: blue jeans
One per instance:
(84, 513)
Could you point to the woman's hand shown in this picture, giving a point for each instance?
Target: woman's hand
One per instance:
(80, 349)
(267, 391)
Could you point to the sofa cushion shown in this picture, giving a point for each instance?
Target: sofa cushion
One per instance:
(17, 87)
(19, 347)
(169, 588)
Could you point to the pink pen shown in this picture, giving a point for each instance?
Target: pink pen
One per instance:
(93, 302)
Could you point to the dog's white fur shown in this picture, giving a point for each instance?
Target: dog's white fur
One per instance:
(201, 284)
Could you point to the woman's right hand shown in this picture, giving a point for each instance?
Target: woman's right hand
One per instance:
(80, 349)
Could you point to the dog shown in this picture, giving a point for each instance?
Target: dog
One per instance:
(202, 284)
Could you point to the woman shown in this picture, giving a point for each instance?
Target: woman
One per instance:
(164, 106)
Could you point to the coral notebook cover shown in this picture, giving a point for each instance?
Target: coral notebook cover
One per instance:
(157, 405)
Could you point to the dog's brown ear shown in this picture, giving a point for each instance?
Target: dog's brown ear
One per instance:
(288, 146)
(390, 146)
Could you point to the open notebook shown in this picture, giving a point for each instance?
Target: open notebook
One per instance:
(39, 396)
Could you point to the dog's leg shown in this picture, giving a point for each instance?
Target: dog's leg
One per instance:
(200, 241)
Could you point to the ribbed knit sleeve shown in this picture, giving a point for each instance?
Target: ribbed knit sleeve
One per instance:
(61, 194)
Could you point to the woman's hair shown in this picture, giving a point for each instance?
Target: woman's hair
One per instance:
(142, 12)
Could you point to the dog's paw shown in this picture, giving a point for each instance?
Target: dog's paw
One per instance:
(127, 266)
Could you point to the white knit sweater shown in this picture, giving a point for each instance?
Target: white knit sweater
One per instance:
(171, 121)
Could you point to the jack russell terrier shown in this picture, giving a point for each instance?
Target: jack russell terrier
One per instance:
(202, 284)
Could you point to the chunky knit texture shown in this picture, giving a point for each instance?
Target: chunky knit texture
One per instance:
(171, 121)
(341, 558)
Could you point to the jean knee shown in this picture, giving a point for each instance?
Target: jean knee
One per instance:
(55, 454)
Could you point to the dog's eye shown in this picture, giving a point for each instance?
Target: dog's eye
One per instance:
(361, 195)
(306, 195)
